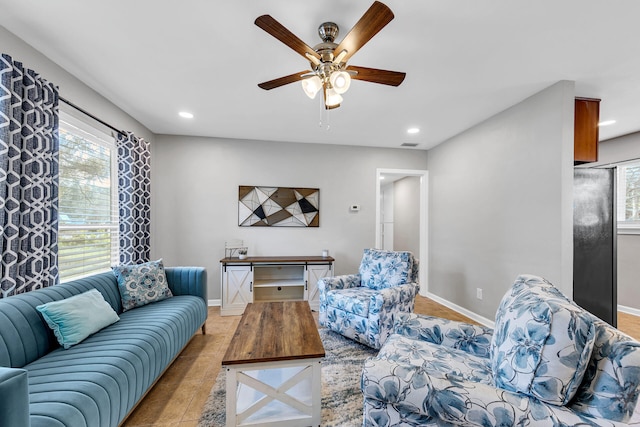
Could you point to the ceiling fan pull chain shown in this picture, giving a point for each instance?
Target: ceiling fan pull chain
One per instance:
(321, 104)
(324, 116)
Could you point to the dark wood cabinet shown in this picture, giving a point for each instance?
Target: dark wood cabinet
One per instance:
(585, 137)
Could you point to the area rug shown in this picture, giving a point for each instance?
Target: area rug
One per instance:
(341, 395)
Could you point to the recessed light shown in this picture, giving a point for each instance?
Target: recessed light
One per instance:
(413, 130)
(606, 123)
(185, 114)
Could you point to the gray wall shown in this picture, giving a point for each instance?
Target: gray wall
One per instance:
(481, 234)
(406, 216)
(613, 151)
(195, 198)
(501, 202)
(70, 87)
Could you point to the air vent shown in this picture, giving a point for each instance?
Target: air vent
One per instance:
(409, 144)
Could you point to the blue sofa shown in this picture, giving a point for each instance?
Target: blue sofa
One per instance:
(98, 382)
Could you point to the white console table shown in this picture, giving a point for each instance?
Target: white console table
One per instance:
(271, 278)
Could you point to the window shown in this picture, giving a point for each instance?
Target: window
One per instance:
(628, 200)
(88, 212)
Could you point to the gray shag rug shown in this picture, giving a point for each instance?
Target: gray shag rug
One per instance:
(341, 395)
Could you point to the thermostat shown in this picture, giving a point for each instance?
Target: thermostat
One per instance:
(354, 208)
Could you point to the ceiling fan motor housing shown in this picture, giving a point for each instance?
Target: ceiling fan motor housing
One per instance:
(328, 31)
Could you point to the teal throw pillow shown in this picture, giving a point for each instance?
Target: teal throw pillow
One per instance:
(141, 284)
(75, 318)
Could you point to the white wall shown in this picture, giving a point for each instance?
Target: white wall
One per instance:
(70, 87)
(386, 215)
(406, 201)
(618, 150)
(501, 202)
(195, 198)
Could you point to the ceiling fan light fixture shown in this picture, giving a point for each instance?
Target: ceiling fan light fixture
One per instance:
(328, 60)
(340, 81)
(332, 98)
(311, 86)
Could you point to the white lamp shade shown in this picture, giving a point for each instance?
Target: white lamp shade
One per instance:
(340, 81)
(311, 86)
(332, 98)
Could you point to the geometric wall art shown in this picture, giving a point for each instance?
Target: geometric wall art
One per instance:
(278, 207)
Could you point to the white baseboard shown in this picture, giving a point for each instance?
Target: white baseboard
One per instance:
(470, 314)
(629, 310)
(214, 303)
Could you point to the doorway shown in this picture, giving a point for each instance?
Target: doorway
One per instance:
(413, 187)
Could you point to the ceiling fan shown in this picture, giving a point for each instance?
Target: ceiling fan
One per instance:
(329, 70)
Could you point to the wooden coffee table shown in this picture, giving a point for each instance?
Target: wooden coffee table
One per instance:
(273, 367)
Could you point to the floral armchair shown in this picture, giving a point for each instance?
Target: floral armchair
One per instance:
(364, 306)
(547, 363)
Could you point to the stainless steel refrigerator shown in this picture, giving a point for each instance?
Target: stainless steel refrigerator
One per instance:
(594, 242)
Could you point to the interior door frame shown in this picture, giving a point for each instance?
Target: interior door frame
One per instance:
(424, 219)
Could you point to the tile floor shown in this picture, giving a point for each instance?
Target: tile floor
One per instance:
(178, 397)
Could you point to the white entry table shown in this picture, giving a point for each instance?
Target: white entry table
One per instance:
(273, 367)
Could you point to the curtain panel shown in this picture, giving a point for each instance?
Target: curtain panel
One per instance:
(134, 198)
(28, 179)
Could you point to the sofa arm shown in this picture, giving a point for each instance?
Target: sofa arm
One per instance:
(14, 403)
(408, 392)
(339, 282)
(470, 338)
(188, 281)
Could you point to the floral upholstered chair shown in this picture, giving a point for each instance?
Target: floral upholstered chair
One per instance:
(547, 363)
(364, 306)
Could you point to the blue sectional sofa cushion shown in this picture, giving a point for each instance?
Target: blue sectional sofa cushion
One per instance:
(74, 319)
(99, 381)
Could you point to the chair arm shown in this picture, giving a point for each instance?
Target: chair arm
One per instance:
(396, 295)
(14, 404)
(339, 282)
(187, 281)
(432, 395)
(470, 338)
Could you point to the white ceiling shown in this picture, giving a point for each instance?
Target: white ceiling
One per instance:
(465, 61)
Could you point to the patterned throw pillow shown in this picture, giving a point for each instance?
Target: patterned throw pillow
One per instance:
(384, 269)
(542, 342)
(141, 284)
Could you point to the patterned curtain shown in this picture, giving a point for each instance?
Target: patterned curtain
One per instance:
(134, 197)
(28, 179)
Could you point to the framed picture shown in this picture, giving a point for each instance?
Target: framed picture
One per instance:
(278, 206)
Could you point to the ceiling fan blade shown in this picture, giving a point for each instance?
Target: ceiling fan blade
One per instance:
(374, 75)
(279, 31)
(373, 20)
(272, 84)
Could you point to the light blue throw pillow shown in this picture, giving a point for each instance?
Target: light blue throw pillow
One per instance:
(141, 284)
(75, 318)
